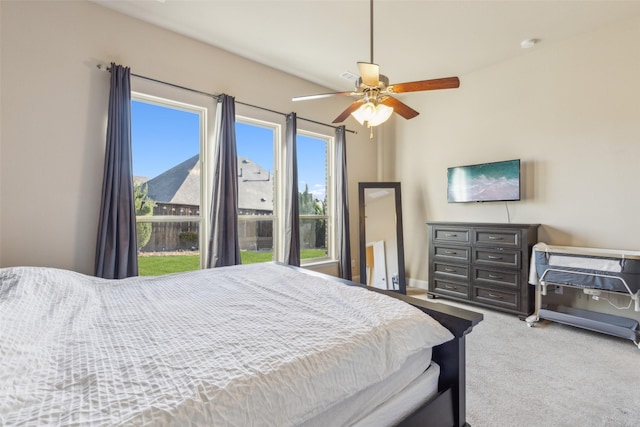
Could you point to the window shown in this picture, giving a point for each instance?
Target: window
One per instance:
(261, 192)
(166, 144)
(256, 144)
(315, 204)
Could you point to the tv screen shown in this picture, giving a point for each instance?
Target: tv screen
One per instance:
(486, 182)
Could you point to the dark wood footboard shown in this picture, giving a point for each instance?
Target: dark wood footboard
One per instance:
(448, 407)
(451, 358)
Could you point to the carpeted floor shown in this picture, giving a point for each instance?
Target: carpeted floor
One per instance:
(412, 291)
(549, 376)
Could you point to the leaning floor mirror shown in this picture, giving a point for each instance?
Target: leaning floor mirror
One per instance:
(381, 241)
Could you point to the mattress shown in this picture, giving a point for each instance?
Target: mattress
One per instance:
(350, 410)
(248, 345)
(586, 268)
(401, 405)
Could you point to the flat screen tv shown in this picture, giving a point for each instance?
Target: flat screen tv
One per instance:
(485, 182)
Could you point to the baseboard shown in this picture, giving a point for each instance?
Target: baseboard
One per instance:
(422, 284)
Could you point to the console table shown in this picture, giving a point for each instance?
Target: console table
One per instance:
(484, 264)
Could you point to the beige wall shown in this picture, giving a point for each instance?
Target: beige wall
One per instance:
(54, 103)
(570, 111)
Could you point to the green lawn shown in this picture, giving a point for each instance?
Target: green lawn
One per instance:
(157, 265)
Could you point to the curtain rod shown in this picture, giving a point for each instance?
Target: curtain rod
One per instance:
(102, 67)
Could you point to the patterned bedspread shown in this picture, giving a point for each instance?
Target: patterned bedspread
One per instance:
(248, 345)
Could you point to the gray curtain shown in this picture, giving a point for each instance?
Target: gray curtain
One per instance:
(116, 252)
(342, 208)
(224, 246)
(292, 211)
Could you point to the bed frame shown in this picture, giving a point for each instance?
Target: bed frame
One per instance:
(448, 407)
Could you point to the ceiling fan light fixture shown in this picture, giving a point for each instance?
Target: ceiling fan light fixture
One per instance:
(364, 112)
(373, 114)
(381, 115)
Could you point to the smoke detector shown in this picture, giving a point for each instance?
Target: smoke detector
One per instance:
(528, 43)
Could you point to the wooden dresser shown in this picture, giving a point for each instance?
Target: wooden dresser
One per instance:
(483, 264)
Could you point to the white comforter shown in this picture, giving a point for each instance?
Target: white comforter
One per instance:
(251, 345)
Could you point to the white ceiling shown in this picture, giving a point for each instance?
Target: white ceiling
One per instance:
(413, 40)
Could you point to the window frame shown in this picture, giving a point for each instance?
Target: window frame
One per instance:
(330, 197)
(278, 203)
(204, 110)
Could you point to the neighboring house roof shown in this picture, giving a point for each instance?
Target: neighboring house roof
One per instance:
(178, 185)
(181, 185)
(255, 186)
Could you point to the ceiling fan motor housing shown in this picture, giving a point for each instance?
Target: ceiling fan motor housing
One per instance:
(383, 82)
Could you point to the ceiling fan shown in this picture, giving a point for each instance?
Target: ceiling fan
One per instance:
(375, 102)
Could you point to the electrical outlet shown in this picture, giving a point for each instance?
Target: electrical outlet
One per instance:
(558, 290)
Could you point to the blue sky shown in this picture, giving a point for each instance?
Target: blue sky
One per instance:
(164, 137)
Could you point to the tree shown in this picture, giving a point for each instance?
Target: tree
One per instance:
(144, 207)
(309, 205)
(306, 202)
(321, 224)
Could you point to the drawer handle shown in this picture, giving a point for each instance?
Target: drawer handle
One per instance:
(449, 287)
(496, 238)
(494, 257)
(449, 269)
(451, 235)
(494, 276)
(450, 252)
(495, 296)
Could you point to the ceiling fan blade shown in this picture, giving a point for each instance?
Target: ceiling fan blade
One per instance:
(321, 95)
(434, 84)
(370, 73)
(399, 107)
(350, 109)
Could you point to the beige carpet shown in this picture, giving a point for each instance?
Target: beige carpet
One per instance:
(550, 375)
(412, 291)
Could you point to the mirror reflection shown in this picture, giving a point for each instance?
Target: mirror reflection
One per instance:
(381, 241)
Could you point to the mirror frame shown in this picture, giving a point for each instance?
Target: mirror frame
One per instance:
(362, 186)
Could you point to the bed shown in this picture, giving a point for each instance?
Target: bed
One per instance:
(598, 273)
(261, 344)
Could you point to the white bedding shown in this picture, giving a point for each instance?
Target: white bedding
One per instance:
(250, 345)
(601, 264)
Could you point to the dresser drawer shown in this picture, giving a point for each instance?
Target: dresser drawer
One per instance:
(493, 297)
(451, 235)
(497, 237)
(451, 271)
(496, 258)
(451, 288)
(510, 279)
(451, 253)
